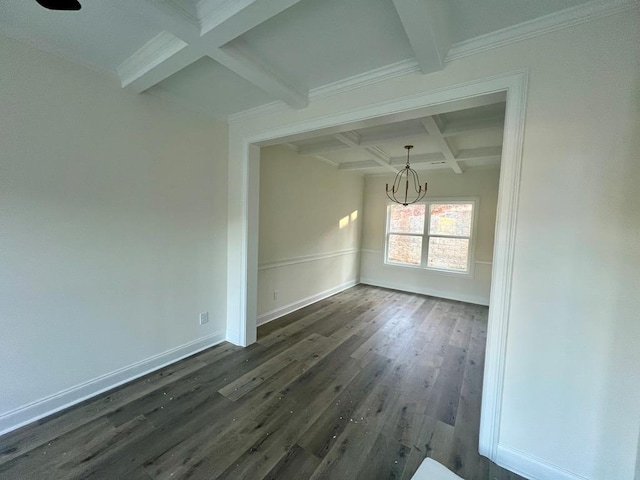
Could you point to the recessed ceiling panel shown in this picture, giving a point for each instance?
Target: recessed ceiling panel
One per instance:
(326, 142)
(471, 18)
(100, 34)
(495, 110)
(214, 88)
(476, 144)
(490, 138)
(421, 144)
(392, 130)
(318, 42)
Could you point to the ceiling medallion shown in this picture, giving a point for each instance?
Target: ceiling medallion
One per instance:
(399, 192)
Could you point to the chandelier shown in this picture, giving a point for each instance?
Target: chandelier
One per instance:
(399, 192)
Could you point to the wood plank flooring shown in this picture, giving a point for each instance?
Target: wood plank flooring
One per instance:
(361, 385)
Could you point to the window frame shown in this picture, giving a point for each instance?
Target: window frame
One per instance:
(425, 236)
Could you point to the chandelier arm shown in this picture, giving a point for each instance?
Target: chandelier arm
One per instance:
(389, 196)
(391, 192)
(416, 187)
(414, 178)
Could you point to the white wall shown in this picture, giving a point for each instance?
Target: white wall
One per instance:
(571, 401)
(310, 228)
(482, 184)
(112, 230)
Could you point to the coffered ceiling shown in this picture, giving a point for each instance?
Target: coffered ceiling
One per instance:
(222, 57)
(453, 140)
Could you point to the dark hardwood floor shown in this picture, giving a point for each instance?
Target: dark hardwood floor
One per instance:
(363, 385)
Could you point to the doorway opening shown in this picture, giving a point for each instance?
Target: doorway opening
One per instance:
(243, 233)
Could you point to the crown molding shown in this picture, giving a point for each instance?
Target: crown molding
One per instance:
(398, 69)
(151, 54)
(260, 111)
(214, 12)
(539, 26)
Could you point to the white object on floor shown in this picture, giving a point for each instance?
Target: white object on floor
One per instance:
(429, 469)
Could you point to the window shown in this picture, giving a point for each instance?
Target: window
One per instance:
(435, 235)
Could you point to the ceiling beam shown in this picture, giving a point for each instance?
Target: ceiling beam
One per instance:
(168, 55)
(435, 158)
(352, 139)
(408, 135)
(359, 165)
(146, 68)
(427, 159)
(260, 74)
(434, 130)
(326, 160)
(294, 147)
(232, 19)
(322, 147)
(425, 24)
(431, 160)
(479, 153)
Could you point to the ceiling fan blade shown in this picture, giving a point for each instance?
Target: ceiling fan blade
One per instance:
(60, 4)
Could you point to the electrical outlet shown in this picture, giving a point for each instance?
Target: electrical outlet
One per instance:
(204, 318)
(275, 294)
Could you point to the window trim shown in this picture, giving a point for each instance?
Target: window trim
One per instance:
(475, 201)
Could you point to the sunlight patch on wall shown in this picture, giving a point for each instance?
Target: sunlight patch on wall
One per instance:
(344, 221)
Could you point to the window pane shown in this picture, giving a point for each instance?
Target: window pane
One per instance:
(450, 219)
(404, 249)
(448, 253)
(409, 219)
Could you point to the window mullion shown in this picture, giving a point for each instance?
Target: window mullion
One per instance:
(451, 236)
(406, 234)
(425, 237)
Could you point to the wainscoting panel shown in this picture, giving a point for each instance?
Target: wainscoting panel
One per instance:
(289, 284)
(472, 289)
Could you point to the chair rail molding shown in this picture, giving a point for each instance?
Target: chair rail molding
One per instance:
(306, 258)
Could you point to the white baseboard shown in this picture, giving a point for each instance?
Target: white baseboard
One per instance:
(531, 467)
(33, 411)
(412, 288)
(292, 307)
